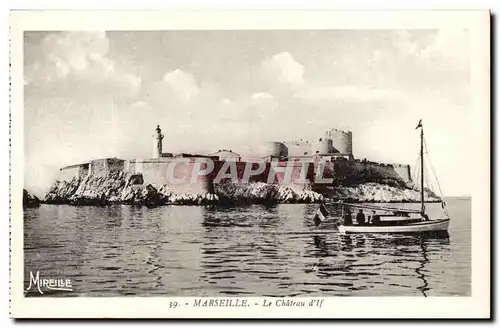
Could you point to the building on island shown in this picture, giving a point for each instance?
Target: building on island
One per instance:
(158, 144)
(226, 155)
(335, 148)
(333, 145)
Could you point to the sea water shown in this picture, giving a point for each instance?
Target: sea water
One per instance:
(241, 251)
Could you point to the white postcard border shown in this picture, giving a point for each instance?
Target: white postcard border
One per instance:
(477, 305)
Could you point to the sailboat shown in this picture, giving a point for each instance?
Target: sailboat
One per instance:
(397, 220)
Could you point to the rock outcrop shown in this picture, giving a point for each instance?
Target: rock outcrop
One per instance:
(259, 193)
(124, 188)
(30, 200)
(379, 193)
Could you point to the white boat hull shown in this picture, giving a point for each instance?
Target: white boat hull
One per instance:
(425, 226)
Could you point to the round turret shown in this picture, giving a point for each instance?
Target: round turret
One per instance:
(322, 146)
(341, 140)
(276, 149)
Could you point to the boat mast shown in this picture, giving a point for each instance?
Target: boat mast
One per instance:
(422, 210)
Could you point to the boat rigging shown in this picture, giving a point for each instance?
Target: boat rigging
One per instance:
(395, 220)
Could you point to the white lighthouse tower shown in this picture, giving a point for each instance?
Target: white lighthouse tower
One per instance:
(158, 144)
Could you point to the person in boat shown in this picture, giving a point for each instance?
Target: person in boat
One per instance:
(375, 218)
(360, 218)
(348, 217)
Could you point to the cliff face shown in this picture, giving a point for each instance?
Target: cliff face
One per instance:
(30, 200)
(128, 188)
(259, 192)
(379, 193)
(125, 188)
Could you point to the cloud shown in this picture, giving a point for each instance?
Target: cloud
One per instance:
(362, 93)
(262, 96)
(284, 69)
(183, 84)
(80, 57)
(189, 109)
(377, 83)
(139, 104)
(451, 46)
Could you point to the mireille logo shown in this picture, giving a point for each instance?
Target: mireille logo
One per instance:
(48, 283)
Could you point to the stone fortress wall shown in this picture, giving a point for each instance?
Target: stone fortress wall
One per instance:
(361, 171)
(341, 140)
(333, 142)
(335, 147)
(98, 167)
(154, 172)
(69, 172)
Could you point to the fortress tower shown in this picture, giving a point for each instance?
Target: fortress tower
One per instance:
(322, 146)
(341, 140)
(158, 144)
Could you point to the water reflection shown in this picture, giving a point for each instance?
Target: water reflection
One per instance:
(252, 250)
(420, 271)
(403, 249)
(250, 216)
(238, 251)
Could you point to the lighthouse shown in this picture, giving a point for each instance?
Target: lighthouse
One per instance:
(158, 144)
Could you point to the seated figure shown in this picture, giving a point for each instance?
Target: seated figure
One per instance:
(360, 218)
(375, 218)
(348, 218)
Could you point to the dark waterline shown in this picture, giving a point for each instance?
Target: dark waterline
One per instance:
(245, 251)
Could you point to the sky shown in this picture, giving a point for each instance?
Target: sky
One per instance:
(90, 95)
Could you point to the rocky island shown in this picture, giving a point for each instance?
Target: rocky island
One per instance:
(290, 172)
(30, 200)
(124, 188)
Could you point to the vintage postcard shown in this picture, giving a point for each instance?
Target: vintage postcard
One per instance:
(250, 164)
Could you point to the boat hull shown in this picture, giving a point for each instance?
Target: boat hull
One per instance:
(426, 226)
